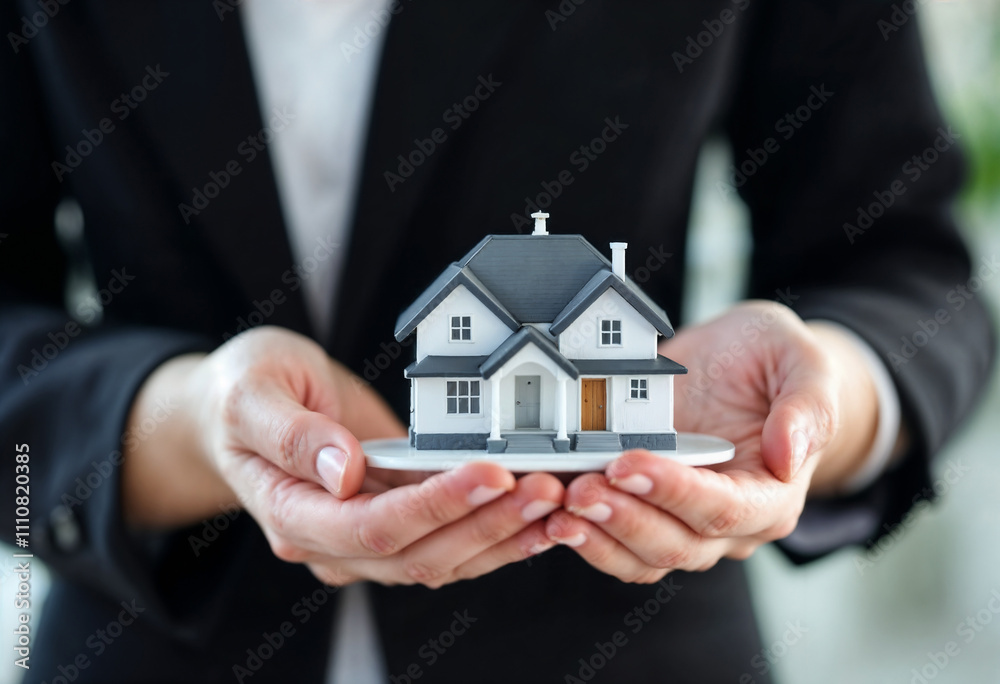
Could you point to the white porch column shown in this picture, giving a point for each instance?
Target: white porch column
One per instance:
(495, 406)
(561, 408)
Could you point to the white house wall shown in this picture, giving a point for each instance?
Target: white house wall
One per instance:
(631, 415)
(581, 339)
(434, 332)
(432, 417)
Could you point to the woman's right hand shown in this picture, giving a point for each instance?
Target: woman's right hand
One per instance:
(269, 422)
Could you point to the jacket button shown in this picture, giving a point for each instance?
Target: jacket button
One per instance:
(65, 529)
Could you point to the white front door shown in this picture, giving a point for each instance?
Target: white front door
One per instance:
(527, 401)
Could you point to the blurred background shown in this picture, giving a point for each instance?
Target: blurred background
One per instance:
(889, 615)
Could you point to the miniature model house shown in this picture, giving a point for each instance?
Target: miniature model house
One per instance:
(535, 343)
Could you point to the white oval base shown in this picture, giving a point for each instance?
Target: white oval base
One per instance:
(397, 454)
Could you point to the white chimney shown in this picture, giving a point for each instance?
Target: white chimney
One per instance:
(618, 258)
(540, 223)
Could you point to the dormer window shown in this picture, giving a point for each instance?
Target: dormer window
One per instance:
(611, 332)
(461, 329)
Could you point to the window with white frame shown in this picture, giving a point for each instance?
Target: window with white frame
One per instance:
(611, 332)
(461, 329)
(638, 388)
(463, 396)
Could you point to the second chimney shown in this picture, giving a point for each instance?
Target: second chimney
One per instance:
(618, 258)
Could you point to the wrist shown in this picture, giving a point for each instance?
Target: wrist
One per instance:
(168, 479)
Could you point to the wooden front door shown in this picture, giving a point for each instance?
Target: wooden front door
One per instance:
(593, 414)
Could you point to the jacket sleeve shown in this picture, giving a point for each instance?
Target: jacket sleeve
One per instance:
(849, 172)
(65, 389)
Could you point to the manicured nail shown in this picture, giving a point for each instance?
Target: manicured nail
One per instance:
(574, 541)
(633, 484)
(541, 547)
(331, 464)
(538, 509)
(598, 512)
(483, 494)
(800, 447)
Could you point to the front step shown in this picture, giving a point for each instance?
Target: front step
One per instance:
(598, 441)
(528, 442)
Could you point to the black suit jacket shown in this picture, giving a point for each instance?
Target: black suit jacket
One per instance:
(670, 73)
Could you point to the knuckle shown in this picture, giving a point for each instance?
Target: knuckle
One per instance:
(675, 558)
(486, 532)
(429, 576)
(723, 524)
(374, 540)
(286, 550)
(432, 503)
(290, 438)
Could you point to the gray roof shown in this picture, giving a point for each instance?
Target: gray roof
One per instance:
(446, 367)
(528, 279)
(595, 287)
(516, 342)
(450, 278)
(661, 365)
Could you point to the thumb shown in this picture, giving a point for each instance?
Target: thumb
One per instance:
(799, 424)
(303, 443)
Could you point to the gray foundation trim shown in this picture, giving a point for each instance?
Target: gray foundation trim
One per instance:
(661, 365)
(561, 445)
(496, 446)
(656, 440)
(470, 440)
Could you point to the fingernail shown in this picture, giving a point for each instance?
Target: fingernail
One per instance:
(633, 484)
(598, 512)
(483, 494)
(540, 547)
(331, 464)
(574, 541)
(800, 447)
(537, 509)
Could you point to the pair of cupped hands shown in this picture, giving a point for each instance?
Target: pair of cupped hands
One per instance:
(269, 422)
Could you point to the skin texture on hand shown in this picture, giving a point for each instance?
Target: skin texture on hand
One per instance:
(796, 401)
(269, 422)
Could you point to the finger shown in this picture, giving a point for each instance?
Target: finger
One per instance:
(659, 539)
(309, 445)
(302, 519)
(729, 504)
(600, 550)
(432, 560)
(802, 417)
(531, 541)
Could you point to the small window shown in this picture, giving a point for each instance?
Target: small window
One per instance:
(461, 328)
(638, 388)
(463, 396)
(611, 333)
